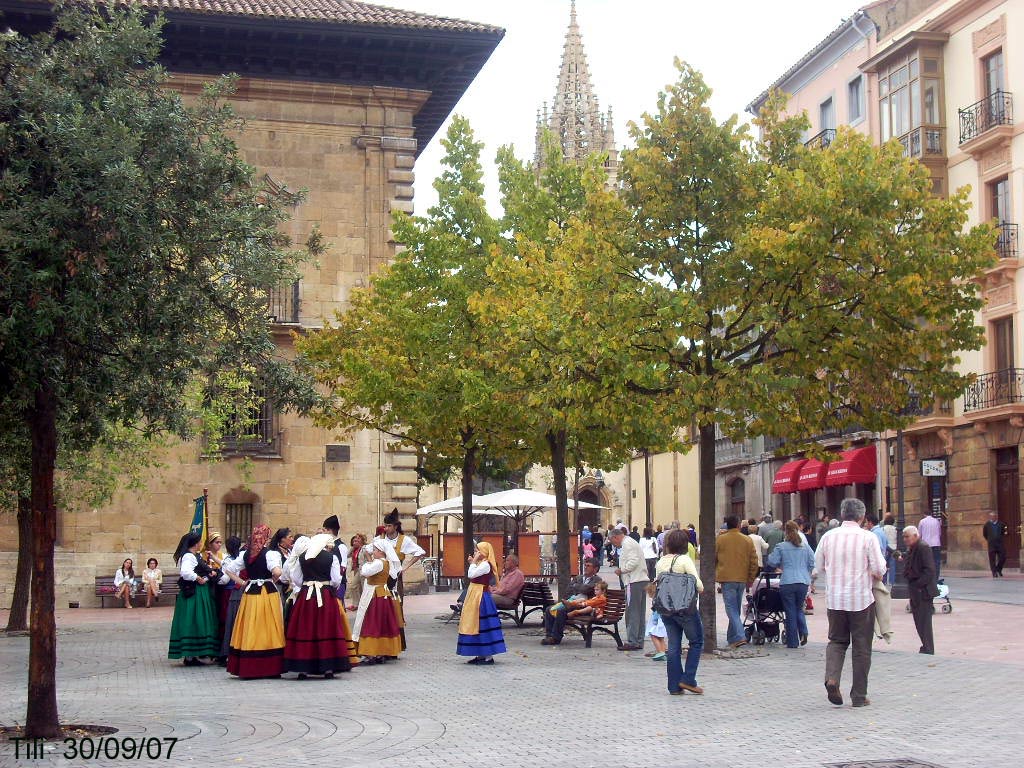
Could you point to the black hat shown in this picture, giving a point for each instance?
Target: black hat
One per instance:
(332, 523)
(392, 517)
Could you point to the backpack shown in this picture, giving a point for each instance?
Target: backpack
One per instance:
(675, 593)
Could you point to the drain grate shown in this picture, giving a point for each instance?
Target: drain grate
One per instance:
(903, 762)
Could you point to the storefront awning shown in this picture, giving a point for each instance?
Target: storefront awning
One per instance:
(787, 476)
(812, 475)
(858, 465)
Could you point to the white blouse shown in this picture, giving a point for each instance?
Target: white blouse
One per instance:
(478, 569)
(274, 559)
(188, 565)
(154, 575)
(120, 578)
(373, 567)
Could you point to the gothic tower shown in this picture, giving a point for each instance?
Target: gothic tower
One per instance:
(575, 117)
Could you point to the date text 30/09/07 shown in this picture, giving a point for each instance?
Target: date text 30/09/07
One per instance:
(101, 748)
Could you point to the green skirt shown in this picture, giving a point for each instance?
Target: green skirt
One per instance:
(194, 626)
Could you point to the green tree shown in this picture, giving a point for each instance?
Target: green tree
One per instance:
(554, 317)
(795, 290)
(135, 251)
(405, 357)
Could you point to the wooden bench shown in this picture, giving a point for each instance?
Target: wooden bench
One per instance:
(609, 623)
(105, 590)
(535, 596)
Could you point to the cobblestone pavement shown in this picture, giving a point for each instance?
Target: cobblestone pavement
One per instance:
(541, 704)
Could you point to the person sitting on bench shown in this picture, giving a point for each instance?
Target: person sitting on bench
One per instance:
(554, 624)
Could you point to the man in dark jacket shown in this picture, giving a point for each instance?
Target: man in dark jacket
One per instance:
(995, 533)
(919, 569)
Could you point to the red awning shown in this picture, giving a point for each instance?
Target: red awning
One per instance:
(786, 477)
(858, 465)
(812, 475)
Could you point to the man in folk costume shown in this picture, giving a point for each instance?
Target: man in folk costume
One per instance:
(316, 639)
(409, 553)
(480, 633)
(376, 630)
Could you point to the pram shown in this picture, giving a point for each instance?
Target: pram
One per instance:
(765, 617)
(942, 599)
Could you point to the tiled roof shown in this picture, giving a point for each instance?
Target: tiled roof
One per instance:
(349, 12)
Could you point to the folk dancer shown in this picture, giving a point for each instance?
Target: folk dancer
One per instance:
(194, 626)
(257, 640)
(480, 633)
(409, 553)
(316, 640)
(376, 630)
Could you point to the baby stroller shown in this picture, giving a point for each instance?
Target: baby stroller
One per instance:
(765, 616)
(942, 599)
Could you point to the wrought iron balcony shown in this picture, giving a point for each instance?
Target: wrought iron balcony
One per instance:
(925, 141)
(921, 409)
(1006, 244)
(727, 452)
(823, 140)
(991, 390)
(283, 305)
(994, 110)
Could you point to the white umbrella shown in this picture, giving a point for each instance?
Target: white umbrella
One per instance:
(523, 501)
(453, 507)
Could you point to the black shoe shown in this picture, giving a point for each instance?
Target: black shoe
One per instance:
(861, 703)
(926, 651)
(834, 694)
(301, 676)
(193, 662)
(328, 675)
(803, 639)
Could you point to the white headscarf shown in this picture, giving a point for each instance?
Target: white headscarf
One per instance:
(388, 548)
(317, 544)
(292, 563)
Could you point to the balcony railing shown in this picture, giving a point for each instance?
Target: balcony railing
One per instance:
(994, 110)
(823, 140)
(990, 390)
(1006, 244)
(726, 451)
(918, 407)
(925, 141)
(283, 305)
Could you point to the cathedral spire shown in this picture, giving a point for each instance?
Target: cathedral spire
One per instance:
(575, 117)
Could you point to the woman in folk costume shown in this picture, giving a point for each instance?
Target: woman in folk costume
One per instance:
(376, 630)
(290, 571)
(257, 640)
(316, 641)
(213, 556)
(234, 569)
(479, 626)
(194, 626)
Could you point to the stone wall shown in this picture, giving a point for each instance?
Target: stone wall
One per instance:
(352, 150)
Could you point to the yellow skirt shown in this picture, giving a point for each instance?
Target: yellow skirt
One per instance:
(257, 641)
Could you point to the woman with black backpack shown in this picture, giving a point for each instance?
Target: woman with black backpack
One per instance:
(676, 564)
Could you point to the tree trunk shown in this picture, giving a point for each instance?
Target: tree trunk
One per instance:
(41, 715)
(556, 443)
(707, 531)
(468, 468)
(17, 621)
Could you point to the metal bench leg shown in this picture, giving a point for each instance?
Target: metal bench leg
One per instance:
(588, 635)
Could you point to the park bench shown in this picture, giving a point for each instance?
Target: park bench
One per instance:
(105, 590)
(535, 596)
(609, 623)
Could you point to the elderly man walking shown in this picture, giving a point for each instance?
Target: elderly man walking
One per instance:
(850, 559)
(922, 586)
(633, 570)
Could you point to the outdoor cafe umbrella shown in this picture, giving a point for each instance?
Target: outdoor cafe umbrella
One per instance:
(520, 503)
(451, 508)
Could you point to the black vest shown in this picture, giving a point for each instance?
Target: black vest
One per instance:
(319, 568)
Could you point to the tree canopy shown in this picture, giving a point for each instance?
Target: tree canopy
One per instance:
(136, 249)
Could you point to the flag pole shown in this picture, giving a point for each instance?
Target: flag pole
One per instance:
(206, 514)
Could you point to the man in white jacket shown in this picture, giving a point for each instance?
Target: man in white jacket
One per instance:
(633, 570)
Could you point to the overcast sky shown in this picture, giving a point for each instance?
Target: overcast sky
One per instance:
(741, 47)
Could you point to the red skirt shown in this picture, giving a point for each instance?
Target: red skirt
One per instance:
(380, 633)
(316, 639)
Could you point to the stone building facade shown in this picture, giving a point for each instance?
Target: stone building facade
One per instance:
(339, 98)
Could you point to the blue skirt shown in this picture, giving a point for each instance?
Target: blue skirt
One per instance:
(490, 640)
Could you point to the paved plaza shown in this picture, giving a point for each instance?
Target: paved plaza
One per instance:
(540, 706)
